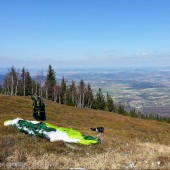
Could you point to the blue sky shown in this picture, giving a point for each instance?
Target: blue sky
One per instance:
(84, 33)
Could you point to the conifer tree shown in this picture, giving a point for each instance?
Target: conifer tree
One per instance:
(88, 97)
(110, 104)
(133, 113)
(69, 100)
(50, 83)
(63, 91)
(121, 110)
(22, 84)
(99, 101)
(28, 84)
(1, 89)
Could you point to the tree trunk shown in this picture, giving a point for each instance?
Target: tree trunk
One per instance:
(12, 85)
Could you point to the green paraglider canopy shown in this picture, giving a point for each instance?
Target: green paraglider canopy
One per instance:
(51, 132)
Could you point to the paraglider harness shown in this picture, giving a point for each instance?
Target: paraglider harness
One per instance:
(38, 108)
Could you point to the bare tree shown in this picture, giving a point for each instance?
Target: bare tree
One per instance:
(73, 90)
(39, 82)
(81, 94)
(23, 75)
(6, 84)
(25, 83)
(17, 82)
(57, 93)
(11, 82)
(14, 80)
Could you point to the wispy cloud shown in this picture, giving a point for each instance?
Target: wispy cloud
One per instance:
(152, 54)
(108, 50)
(110, 53)
(143, 54)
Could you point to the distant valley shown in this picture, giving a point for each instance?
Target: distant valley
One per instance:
(146, 90)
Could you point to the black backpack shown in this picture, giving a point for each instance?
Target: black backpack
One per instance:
(38, 103)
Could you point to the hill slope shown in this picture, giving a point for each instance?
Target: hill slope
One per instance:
(126, 143)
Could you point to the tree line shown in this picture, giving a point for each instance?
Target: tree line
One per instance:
(78, 95)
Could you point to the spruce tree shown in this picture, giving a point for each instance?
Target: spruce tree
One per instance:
(63, 91)
(88, 97)
(110, 104)
(1, 89)
(121, 110)
(69, 100)
(22, 84)
(28, 84)
(133, 113)
(50, 83)
(99, 101)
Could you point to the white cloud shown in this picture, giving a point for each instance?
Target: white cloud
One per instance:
(143, 54)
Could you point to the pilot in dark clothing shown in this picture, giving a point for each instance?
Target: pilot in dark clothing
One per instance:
(38, 108)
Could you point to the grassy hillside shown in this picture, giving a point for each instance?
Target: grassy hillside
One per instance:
(126, 143)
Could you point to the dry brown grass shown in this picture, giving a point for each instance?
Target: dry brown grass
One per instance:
(127, 142)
